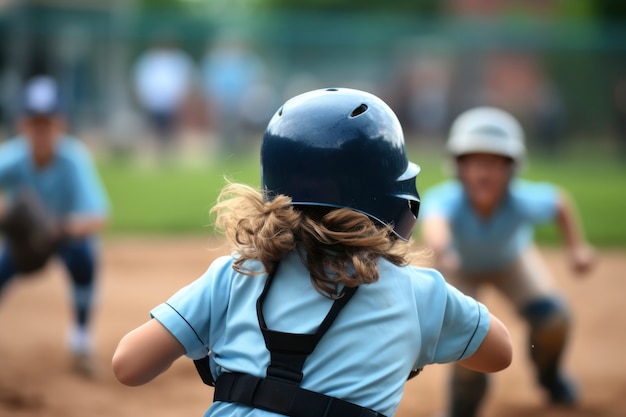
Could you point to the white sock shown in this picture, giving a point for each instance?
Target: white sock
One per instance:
(80, 340)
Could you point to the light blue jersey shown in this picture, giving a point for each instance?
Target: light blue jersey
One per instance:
(69, 185)
(410, 317)
(485, 245)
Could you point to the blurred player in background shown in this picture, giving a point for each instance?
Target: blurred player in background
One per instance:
(163, 76)
(480, 227)
(330, 230)
(57, 172)
(231, 73)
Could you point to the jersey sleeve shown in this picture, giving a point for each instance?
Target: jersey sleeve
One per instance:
(439, 201)
(188, 314)
(453, 324)
(465, 325)
(538, 201)
(91, 197)
(9, 158)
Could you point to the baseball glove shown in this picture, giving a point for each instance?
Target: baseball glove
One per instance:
(32, 235)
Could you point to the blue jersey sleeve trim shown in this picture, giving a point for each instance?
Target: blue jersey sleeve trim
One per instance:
(479, 334)
(181, 329)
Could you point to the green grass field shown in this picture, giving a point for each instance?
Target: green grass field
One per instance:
(176, 198)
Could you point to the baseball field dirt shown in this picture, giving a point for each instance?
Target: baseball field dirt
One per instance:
(138, 273)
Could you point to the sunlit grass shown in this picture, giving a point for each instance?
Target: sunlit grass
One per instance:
(176, 197)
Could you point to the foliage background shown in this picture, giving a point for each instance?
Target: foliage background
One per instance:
(578, 47)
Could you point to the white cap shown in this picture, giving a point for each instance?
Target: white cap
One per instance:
(41, 96)
(488, 130)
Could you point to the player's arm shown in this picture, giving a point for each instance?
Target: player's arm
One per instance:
(495, 352)
(438, 237)
(436, 233)
(78, 226)
(145, 353)
(92, 206)
(580, 252)
(4, 204)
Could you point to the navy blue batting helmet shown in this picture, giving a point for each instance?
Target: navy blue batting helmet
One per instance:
(342, 148)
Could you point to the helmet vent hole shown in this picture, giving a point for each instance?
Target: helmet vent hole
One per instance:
(331, 89)
(280, 111)
(359, 110)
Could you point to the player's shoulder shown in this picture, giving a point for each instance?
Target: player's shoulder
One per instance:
(72, 144)
(426, 275)
(523, 189)
(421, 278)
(221, 268)
(15, 146)
(73, 149)
(14, 153)
(220, 264)
(445, 197)
(446, 189)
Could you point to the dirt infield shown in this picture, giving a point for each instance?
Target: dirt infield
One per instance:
(137, 274)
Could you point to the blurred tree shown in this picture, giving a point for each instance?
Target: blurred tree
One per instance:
(430, 7)
(610, 9)
(162, 4)
(612, 14)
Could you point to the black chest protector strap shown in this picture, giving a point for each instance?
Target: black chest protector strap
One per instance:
(280, 391)
(284, 398)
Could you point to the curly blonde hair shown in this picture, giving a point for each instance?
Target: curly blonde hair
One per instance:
(340, 247)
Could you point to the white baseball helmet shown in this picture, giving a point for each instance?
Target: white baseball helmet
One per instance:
(489, 130)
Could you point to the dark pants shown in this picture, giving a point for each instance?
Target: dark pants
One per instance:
(80, 259)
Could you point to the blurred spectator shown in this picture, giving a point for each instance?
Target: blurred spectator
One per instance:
(511, 80)
(420, 87)
(428, 105)
(549, 118)
(162, 78)
(619, 101)
(232, 74)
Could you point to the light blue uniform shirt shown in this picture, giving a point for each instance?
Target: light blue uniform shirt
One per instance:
(410, 317)
(69, 185)
(485, 245)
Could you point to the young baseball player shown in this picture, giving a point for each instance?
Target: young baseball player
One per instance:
(58, 175)
(318, 312)
(480, 228)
